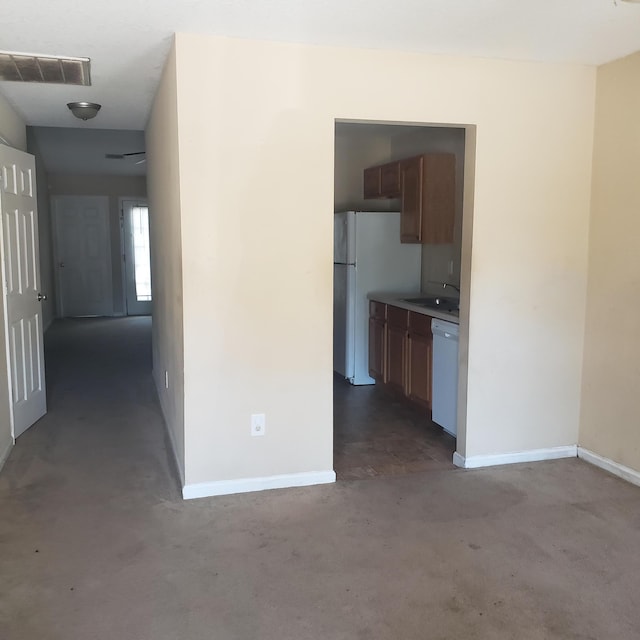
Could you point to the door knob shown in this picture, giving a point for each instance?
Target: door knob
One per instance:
(62, 265)
(42, 296)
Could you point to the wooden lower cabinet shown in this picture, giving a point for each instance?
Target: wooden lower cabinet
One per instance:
(401, 352)
(377, 346)
(420, 362)
(396, 357)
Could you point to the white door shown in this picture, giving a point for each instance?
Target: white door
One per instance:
(137, 257)
(83, 255)
(21, 284)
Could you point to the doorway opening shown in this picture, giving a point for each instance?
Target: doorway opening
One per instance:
(84, 225)
(399, 198)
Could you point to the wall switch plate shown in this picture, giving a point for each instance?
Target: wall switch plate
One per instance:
(166, 379)
(258, 424)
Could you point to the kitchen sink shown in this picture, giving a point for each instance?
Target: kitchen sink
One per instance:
(435, 302)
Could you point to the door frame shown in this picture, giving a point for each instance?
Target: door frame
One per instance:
(123, 246)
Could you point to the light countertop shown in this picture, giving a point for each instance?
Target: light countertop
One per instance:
(397, 300)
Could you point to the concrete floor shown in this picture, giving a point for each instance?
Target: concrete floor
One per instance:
(96, 544)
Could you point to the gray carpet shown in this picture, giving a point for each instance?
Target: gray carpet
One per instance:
(96, 544)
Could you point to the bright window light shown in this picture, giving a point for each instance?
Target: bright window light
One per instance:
(141, 252)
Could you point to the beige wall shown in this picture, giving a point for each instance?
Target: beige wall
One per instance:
(611, 377)
(164, 204)
(13, 129)
(257, 139)
(436, 258)
(115, 187)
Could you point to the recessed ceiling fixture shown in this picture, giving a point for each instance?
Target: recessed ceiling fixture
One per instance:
(31, 67)
(84, 110)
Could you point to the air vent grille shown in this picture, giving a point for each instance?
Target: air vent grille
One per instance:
(25, 67)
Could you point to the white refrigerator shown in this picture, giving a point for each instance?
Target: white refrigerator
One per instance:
(368, 257)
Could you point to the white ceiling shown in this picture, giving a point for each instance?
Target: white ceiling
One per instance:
(127, 40)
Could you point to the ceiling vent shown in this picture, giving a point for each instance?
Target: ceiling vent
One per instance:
(28, 67)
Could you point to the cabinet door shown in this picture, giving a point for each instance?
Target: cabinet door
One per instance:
(377, 349)
(396, 357)
(439, 207)
(371, 183)
(419, 359)
(412, 172)
(419, 369)
(390, 180)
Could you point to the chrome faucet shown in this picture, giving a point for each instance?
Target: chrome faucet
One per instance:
(446, 284)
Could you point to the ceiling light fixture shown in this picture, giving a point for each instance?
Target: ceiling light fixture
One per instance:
(84, 110)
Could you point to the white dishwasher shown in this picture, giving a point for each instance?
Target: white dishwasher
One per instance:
(444, 402)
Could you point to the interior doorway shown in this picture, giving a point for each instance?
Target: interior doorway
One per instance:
(383, 426)
(136, 257)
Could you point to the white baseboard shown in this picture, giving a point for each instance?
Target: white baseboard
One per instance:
(244, 485)
(531, 455)
(5, 454)
(617, 469)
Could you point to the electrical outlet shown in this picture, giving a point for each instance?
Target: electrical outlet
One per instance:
(258, 424)
(166, 379)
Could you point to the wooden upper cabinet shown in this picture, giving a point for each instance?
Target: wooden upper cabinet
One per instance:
(382, 181)
(428, 199)
(412, 171)
(426, 185)
(371, 182)
(439, 198)
(390, 180)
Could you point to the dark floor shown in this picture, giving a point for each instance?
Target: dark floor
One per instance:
(97, 544)
(378, 434)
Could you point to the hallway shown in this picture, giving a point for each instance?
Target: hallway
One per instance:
(97, 544)
(101, 405)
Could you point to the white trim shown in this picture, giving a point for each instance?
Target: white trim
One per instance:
(244, 485)
(4, 456)
(617, 469)
(531, 455)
